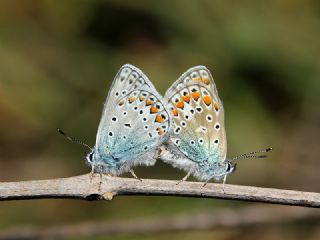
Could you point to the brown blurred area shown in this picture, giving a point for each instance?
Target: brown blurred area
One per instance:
(57, 60)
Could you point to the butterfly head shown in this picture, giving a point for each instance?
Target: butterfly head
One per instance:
(230, 167)
(216, 170)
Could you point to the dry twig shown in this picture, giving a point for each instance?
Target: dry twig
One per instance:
(105, 188)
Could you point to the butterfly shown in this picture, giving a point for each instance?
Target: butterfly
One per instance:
(197, 141)
(133, 125)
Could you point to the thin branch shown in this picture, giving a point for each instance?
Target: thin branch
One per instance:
(235, 218)
(102, 187)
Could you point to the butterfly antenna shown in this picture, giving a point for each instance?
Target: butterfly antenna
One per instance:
(74, 140)
(252, 154)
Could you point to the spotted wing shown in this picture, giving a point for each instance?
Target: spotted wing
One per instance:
(198, 116)
(134, 120)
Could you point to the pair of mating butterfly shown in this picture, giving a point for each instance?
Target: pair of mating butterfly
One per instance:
(184, 128)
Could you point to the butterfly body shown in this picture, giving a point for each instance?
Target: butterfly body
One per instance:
(197, 142)
(134, 124)
(202, 170)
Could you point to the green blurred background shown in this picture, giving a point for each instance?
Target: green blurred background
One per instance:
(58, 59)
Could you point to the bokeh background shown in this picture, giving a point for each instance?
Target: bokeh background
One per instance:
(58, 59)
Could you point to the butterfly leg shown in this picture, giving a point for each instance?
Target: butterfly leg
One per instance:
(224, 182)
(134, 175)
(91, 177)
(91, 173)
(185, 177)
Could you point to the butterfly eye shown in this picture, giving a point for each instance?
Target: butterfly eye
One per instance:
(229, 167)
(90, 156)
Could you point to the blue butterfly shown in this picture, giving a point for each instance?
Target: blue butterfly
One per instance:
(197, 142)
(133, 125)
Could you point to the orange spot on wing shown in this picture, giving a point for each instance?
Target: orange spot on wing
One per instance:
(207, 100)
(153, 109)
(186, 98)
(206, 80)
(132, 99)
(142, 98)
(197, 79)
(180, 104)
(216, 106)
(149, 102)
(159, 118)
(195, 95)
(160, 131)
(175, 112)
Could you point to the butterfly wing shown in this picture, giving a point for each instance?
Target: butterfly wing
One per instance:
(133, 124)
(198, 117)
